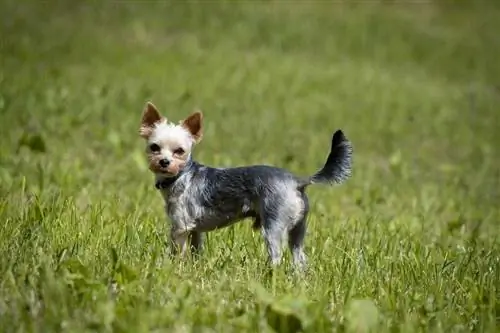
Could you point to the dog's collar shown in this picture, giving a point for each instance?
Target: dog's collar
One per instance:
(165, 182)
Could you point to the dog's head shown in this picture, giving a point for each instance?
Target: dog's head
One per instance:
(169, 145)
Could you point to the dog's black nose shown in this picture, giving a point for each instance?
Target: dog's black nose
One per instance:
(164, 163)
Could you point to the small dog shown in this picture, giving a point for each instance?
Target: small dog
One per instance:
(199, 198)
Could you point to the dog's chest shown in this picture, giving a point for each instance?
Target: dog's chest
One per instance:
(182, 206)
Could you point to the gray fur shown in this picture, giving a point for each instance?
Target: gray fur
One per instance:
(202, 199)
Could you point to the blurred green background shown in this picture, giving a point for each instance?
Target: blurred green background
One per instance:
(414, 85)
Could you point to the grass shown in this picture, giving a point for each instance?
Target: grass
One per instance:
(409, 244)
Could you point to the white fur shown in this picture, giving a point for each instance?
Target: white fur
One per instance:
(169, 135)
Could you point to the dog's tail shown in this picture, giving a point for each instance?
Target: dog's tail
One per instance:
(338, 164)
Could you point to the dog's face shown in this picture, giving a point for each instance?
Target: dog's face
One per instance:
(169, 145)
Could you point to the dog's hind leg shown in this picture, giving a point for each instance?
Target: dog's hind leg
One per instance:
(296, 237)
(296, 244)
(273, 237)
(273, 231)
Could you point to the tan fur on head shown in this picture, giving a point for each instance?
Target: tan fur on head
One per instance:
(176, 164)
(150, 117)
(194, 125)
(167, 141)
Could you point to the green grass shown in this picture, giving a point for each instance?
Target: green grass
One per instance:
(409, 244)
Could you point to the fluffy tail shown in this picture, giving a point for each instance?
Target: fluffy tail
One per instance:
(338, 164)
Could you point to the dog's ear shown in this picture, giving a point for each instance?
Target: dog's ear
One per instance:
(150, 116)
(194, 125)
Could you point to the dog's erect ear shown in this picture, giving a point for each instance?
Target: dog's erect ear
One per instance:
(150, 116)
(193, 124)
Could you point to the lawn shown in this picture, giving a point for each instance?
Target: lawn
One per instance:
(410, 243)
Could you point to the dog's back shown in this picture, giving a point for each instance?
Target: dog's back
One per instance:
(223, 196)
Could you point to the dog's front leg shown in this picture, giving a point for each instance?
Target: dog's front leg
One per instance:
(178, 242)
(196, 242)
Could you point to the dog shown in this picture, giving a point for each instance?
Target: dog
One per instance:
(199, 198)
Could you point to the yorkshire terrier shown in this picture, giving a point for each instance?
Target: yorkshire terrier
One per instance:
(200, 198)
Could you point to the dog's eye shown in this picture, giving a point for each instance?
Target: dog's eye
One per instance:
(179, 151)
(154, 148)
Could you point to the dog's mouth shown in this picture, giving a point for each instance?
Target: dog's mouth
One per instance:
(166, 173)
(172, 169)
(163, 172)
